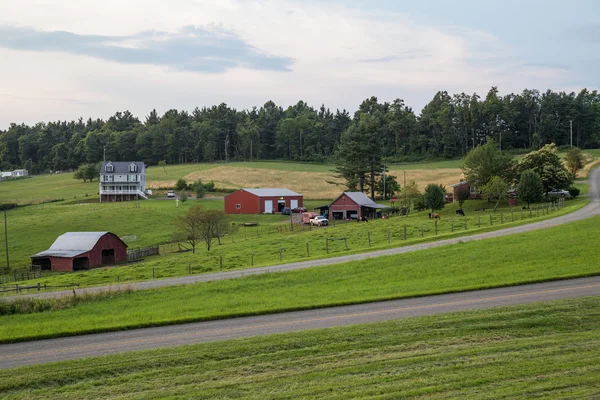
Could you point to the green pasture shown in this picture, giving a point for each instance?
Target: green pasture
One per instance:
(271, 242)
(45, 188)
(274, 241)
(544, 350)
(553, 253)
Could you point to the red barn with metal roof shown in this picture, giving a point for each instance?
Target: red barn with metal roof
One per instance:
(353, 205)
(261, 201)
(74, 251)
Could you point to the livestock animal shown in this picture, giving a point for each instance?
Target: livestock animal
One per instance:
(434, 216)
(480, 209)
(460, 212)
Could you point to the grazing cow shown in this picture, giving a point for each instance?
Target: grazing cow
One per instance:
(460, 212)
(434, 216)
(480, 209)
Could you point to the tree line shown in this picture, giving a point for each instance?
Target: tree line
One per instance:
(447, 127)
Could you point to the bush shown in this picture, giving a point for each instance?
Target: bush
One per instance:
(574, 191)
(419, 203)
(210, 186)
(181, 184)
(183, 196)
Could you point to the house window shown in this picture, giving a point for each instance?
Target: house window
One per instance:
(109, 168)
(238, 206)
(132, 168)
(473, 190)
(131, 178)
(110, 178)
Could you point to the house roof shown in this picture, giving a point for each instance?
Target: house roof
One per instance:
(271, 192)
(362, 200)
(122, 167)
(460, 183)
(72, 244)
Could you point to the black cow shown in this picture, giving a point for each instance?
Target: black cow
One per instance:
(460, 212)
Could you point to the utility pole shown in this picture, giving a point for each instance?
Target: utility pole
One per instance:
(384, 182)
(6, 240)
(571, 126)
(104, 147)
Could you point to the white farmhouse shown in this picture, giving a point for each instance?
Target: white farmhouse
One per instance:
(122, 181)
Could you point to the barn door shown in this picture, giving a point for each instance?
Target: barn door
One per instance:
(293, 204)
(268, 206)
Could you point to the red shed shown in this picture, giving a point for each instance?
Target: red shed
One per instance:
(74, 251)
(353, 205)
(261, 201)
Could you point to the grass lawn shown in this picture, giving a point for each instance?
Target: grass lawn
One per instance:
(544, 350)
(552, 253)
(272, 242)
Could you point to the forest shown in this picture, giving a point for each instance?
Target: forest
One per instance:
(446, 128)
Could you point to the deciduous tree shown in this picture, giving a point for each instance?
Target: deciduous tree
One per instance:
(546, 163)
(434, 197)
(574, 161)
(530, 188)
(496, 189)
(486, 161)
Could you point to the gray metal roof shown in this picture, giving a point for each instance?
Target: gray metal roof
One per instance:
(122, 167)
(363, 200)
(272, 192)
(72, 244)
(460, 183)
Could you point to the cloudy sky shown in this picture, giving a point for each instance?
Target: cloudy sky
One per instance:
(89, 58)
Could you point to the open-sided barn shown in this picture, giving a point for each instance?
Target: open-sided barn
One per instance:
(74, 251)
(353, 205)
(261, 201)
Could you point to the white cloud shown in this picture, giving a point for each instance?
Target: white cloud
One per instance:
(328, 43)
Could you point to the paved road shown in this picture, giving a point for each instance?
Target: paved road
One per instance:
(44, 351)
(590, 210)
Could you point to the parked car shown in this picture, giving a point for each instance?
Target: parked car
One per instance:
(171, 193)
(286, 211)
(558, 193)
(319, 220)
(298, 210)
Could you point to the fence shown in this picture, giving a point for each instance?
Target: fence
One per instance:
(38, 287)
(136, 254)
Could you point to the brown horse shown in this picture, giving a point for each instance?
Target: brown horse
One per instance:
(434, 216)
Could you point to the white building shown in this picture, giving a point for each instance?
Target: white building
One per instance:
(122, 181)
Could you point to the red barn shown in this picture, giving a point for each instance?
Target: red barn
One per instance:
(353, 205)
(261, 201)
(464, 186)
(74, 251)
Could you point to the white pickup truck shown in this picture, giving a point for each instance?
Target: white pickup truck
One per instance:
(319, 220)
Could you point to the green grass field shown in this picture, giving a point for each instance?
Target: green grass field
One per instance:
(548, 254)
(545, 350)
(272, 242)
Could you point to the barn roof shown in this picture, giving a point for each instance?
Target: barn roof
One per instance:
(460, 183)
(271, 192)
(362, 200)
(72, 244)
(122, 167)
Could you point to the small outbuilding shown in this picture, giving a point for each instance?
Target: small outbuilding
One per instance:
(353, 205)
(262, 201)
(463, 186)
(75, 251)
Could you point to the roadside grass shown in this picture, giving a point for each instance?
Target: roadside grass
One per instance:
(270, 243)
(543, 350)
(549, 254)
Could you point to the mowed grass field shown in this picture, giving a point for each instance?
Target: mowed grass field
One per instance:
(554, 253)
(271, 242)
(314, 181)
(545, 350)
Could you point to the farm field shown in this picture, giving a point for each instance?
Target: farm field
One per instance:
(541, 350)
(272, 242)
(314, 181)
(548, 254)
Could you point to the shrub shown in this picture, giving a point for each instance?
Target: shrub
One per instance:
(183, 196)
(210, 186)
(181, 184)
(419, 203)
(574, 191)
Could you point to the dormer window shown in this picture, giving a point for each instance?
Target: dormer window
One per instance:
(132, 167)
(109, 167)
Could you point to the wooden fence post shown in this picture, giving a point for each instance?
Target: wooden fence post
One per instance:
(422, 232)
(252, 259)
(435, 225)
(307, 250)
(404, 231)
(189, 268)
(152, 272)
(280, 255)
(452, 226)
(221, 263)
(369, 238)
(501, 217)
(521, 212)
(478, 220)
(326, 246)
(388, 235)
(346, 242)
(512, 214)
(491, 220)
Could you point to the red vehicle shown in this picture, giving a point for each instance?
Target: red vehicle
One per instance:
(299, 210)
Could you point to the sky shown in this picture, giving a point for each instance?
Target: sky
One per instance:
(62, 60)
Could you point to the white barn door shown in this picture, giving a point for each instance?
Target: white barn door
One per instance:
(268, 206)
(293, 204)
